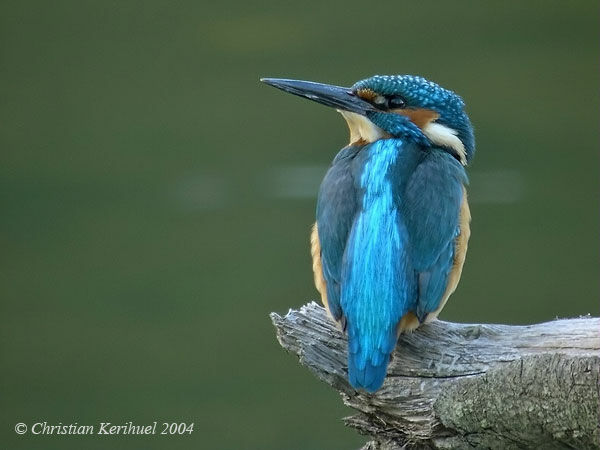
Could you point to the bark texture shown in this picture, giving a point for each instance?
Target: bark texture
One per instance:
(458, 386)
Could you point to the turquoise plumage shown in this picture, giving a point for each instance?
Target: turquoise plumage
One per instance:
(392, 218)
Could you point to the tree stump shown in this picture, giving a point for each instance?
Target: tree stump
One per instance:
(457, 386)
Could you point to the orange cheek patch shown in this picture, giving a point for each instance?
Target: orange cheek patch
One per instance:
(420, 117)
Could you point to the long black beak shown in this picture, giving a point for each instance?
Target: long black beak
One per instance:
(335, 96)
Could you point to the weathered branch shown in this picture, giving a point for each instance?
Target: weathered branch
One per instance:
(455, 386)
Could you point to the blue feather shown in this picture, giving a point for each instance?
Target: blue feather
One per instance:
(432, 283)
(431, 207)
(387, 215)
(336, 208)
(378, 282)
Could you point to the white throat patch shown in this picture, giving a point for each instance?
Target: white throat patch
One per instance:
(361, 128)
(447, 137)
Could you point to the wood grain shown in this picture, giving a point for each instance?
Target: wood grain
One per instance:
(453, 385)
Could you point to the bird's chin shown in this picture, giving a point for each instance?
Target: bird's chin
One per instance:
(362, 130)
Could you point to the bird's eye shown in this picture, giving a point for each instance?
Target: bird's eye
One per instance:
(396, 102)
(387, 102)
(380, 102)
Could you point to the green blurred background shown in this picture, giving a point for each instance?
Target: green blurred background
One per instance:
(157, 199)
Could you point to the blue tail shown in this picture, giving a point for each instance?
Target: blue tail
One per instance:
(367, 366)
(378, 288)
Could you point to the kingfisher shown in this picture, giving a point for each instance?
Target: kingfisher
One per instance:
(392, 218)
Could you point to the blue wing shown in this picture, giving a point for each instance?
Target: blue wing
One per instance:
(430, 208)
(336, 209)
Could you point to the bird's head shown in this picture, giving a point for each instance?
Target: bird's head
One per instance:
(395, 106)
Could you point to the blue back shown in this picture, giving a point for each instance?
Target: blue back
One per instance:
(387, 215)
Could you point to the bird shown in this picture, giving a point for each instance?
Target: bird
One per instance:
(392, 217)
